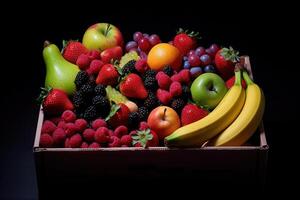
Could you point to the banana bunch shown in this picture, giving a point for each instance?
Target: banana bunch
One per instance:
(232, 122)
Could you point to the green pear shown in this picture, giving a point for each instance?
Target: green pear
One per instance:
(60, 73)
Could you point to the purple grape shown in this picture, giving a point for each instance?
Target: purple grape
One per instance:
(194, 60)
(214, 48)
(205, 59)
(186, 64)
(137, 36)
(191, 52)
(196, 71)
(133, 49)
(142, 54)
(154, 39)
(146, 35)
(200, 51)
(131, 45)
(209, 68)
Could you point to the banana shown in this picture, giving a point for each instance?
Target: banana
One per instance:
(196, 133)
(248, 120)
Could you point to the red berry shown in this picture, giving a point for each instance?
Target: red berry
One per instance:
(61, 124)
(67, 143)
(75, 141)
(164, 96)
(163, 80)
(68, 116)
(175, 89)
(94, 54)
(59, 136)
(70, 129)
(114, 142)
(185, 76)
(46, 141)
(120, 131)
(98, 123)
(176, 77)
(110, 133)
(89, 134)
(83, 61)
(141, 66)
(133, 132)
(48, 127)
(126, 140)
(94, 145)
(95, 67)
(55, 120)
(80, 124)
(144, 45)
(84, 145)
(194, 60)
(143, 126)
(102, 135)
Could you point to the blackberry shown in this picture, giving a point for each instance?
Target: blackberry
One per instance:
(102, 105)
(92, 81)
(151, 101)
(129, 67)
(87, 89)
(168, 70)
(133, 120)
(100, 90)
(178, 104)
(150, 83)
(79, 100)
(149, 73)
(186, 93)
(143, 113)
(90, 113)
(81, 78)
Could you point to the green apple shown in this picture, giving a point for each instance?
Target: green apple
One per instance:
(102, 36)
(207, 90)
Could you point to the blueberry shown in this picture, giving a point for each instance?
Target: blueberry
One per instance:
(186, 65)
(205, 59)
(200, 51)
(209, 68)
(196, 71)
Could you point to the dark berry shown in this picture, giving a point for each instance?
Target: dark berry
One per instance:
(143, 113)
(178, 104)
(149, 73)
(186, 93)
(151, 102)
(90, 113)
(87, 89)
(81, 78)
(168, 70)
(129, 67)
(79, 100)
(100, 90)
(102, 105)
(133, 120)
(151, 83)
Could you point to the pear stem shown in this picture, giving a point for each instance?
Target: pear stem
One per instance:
(46, 43)
(164, 115)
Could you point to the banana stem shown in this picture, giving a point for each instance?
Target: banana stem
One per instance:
(247, 78)
(238, 80)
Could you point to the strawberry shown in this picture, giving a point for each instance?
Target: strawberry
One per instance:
(110, 54)
(132, 86)
(185, 41)
(54, 101)
(191, 113)
(145, 138)
(72, 50)
(118, 115)
(225, 60)
(108, 75)
(230, 83)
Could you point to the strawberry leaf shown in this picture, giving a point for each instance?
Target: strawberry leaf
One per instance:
(113, 110)
(230, 54)
(44, 93)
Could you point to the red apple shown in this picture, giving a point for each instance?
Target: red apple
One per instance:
(102, 36)
(164, 121)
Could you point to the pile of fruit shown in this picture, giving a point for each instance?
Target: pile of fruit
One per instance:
(146, 93)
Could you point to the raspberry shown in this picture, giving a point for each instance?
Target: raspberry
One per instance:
(83, 61)
(94, 145)
(80, 124)
(48, 127)
(176, 77)
(61, 124)
(126, 140)
(55, 120)
(163, 80)
(163, 96)
(110, 133)
(68, 116)
(75, 141)
(59, 136)
(95, 67)
(120, 131)
(88, 134)
(143, 125)
(98, 123)
(175, 89)
(114, 142)
(101, 135)
(84, 145)
(185, 76)
(67, 143)
(46, 140)
(70, 129)
(94, 54)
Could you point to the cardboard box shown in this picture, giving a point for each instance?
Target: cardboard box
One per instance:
(69, 166)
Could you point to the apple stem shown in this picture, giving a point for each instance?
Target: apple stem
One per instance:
(165, 110)
(107, 29)
(46, 43)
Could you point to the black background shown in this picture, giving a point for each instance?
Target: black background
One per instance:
(256, 30)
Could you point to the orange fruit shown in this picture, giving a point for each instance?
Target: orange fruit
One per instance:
(164, 54)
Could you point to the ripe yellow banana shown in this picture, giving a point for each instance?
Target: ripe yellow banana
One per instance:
(197, 133)
(248, 120)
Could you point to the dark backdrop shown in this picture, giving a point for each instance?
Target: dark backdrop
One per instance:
(254, 30)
